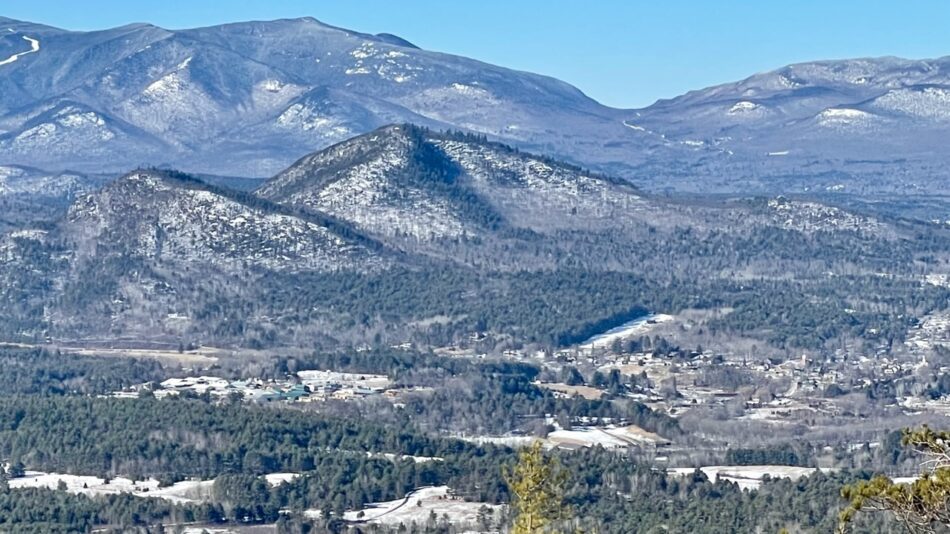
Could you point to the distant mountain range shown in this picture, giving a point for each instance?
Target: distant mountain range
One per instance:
(247, 99)
(855, 126)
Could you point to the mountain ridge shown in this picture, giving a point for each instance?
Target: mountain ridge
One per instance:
(407, 179)
(249, 98)
(405, 233)
(173, 84)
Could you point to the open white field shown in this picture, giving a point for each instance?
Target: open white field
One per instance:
(201, 357)
(749, 476)
(609, 437)
(780, 411)
(187, 491)
(418, 506)
(586, 392)
(184, 492)
(939, 280)
(515, 442)
(637, 327)
(204, 356)
(933, 331)
(276, 479)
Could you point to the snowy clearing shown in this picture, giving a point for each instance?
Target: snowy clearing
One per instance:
(744, 107)
(610, 437)
(417, 507)
(749, 476)
(276, 479)
(939, 280)
(188, 491)
(515, 442)
(584, 391)
(184, 492)
(637, 327)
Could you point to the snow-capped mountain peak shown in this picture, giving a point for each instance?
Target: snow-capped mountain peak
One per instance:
(249, 98)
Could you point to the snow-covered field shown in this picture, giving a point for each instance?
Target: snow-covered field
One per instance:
(608, 437)
(749, 476)
(188, 491)
(637, 327)
(184, 492)
(932, 331)
(939, 280)
(418, 506)
(276, 479)
(917, 405)
(514, 442)
(584, 391)
(318, 378)
(399, 457)
(929, 102)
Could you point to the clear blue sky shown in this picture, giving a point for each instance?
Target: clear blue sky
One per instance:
(625, 53)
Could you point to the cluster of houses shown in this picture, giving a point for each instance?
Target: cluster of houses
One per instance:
(806, 381)
(306, 386)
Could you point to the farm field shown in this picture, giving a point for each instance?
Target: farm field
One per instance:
(420, 505)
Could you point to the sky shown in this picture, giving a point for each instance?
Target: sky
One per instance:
(624, 53)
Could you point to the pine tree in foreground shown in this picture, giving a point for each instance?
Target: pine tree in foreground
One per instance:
(537, 484)
(923, 506)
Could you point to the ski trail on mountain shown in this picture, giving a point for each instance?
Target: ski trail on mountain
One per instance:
(34, 47)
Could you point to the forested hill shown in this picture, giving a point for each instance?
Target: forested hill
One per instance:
(405, 234)
(417, 185)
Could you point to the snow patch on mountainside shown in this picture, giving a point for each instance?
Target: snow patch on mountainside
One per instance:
(471, 91)
(62, 131)
(845, 119)
(172, 101)
(10, 172)
(305, 118)
(485, 163)
(387, 64)
(274, 94)
(812, 217)
(926, 103)
(745, 108)
(468, 104)
(364, 200)
(169, 85)
(34, 48)
(14, 181)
